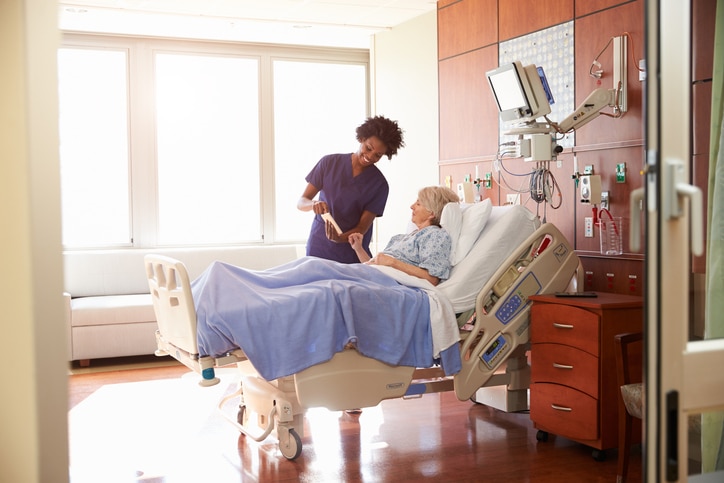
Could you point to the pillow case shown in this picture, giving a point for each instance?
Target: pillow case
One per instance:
(451, 220)
(474, 218)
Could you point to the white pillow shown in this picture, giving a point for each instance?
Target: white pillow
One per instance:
(474, 218)
(451, 220)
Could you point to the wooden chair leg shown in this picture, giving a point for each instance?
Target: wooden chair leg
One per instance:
(624, 444)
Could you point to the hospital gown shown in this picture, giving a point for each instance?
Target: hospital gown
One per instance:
(428, 248)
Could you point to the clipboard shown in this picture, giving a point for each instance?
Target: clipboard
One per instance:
(328, 217)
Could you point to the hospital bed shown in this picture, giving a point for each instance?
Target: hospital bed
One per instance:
(513, 258)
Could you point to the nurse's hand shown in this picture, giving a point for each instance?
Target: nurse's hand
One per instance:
(320, 207)
(332, 233)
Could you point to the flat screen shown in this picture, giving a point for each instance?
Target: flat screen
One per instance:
(508, 91)
(522, 93)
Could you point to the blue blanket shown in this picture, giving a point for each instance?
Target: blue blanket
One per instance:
(300, 314)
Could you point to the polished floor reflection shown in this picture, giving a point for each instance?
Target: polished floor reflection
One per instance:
(155, 424)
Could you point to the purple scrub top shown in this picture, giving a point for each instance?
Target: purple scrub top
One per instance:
(347, 197)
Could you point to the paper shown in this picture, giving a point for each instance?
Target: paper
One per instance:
(328, 217)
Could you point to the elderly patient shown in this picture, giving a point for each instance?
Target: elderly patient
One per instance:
(301, 313)
(424, 253)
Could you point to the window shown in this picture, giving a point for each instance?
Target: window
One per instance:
(197, 143)
(207, 121)
(93, 123)
(317, 108)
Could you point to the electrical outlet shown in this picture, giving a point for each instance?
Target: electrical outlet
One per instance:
(513, 199)
(588, 227)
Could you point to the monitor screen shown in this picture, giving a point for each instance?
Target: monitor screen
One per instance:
(521, 93)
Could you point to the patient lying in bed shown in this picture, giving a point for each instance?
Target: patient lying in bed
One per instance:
(300, 314)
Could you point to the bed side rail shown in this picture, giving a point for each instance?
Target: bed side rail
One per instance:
(544, 263)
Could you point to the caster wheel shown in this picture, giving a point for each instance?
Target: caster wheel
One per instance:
(292, 447)
(541, 436)
(598, 455)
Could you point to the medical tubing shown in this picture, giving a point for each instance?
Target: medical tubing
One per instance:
(600, 215)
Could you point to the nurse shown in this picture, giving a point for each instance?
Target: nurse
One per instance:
(352, 189)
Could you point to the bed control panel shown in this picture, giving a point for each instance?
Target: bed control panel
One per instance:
(518, 299)
(495, 352)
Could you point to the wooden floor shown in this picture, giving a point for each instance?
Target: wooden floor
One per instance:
(435, 437)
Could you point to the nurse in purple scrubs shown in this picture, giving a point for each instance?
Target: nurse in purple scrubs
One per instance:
(351, 189)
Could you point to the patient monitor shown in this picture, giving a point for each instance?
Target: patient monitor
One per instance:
(523, 97)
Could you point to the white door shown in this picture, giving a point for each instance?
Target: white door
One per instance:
(684, 375)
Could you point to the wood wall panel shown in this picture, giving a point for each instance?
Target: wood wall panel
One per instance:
(520, 17)
(468, 116)
(701, 117)
(587, 7)
(592, 34)
(703, 20)
(465, 26)
(617, 275)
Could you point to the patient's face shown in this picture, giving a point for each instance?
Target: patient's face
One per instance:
(421, 216)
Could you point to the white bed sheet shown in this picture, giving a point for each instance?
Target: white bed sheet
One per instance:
(507, 227)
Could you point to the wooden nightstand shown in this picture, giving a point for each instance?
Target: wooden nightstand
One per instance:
(573, 391)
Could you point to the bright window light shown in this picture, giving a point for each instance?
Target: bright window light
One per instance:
(93, 126)
(207, 111)
(317, 108)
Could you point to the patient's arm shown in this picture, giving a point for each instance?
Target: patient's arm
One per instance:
(355, 239)
(415, 271)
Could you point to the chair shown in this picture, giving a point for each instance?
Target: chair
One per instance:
(629, 350)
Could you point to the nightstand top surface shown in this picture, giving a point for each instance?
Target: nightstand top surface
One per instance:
(603, 300)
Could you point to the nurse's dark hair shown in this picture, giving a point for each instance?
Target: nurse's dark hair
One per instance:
(386, 131)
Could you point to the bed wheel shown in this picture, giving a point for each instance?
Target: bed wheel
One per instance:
(541, 436)
(292, 447)
(598, 455)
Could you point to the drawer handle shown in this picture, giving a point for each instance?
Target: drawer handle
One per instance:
(561, 366)
(561, 408)
(562, 326)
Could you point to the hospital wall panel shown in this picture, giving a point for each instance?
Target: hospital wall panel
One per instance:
(520, 17)
(468, 116)
(626, 276)
(593, 33)
(466, 26)
(703, 21)
(587, 7)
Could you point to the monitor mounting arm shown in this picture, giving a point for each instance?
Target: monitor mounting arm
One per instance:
(590, 109)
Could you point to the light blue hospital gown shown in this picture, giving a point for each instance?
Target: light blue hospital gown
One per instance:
(428, 248)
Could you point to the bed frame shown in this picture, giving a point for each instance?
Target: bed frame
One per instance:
(493, 348)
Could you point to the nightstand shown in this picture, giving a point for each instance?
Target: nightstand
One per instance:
(573, 391)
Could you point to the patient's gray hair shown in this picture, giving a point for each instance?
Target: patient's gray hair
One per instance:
(434, 198)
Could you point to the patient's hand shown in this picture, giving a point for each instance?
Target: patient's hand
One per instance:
(383, 259)
(355, 239)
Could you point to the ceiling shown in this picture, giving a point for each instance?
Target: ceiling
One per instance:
(330, 23)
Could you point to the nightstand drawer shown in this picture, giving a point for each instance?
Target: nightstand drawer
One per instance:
(565, 365)
(564, 411)
(561, 324)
